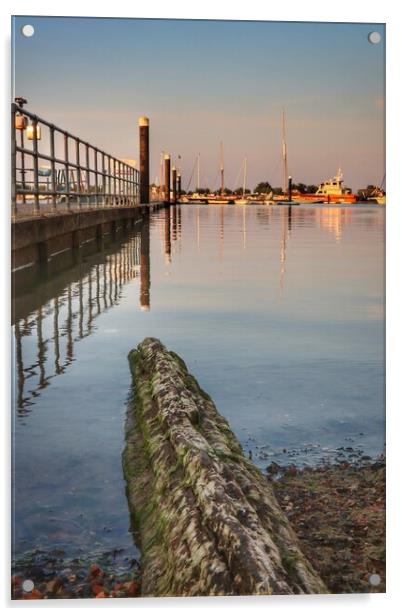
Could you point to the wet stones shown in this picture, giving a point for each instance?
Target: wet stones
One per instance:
(206, 519)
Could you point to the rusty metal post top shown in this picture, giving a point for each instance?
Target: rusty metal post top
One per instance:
(143, 121)
(167, 157)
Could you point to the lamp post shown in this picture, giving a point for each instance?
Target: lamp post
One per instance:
(19, 124)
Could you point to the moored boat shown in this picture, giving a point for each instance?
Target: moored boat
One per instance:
(331, 191)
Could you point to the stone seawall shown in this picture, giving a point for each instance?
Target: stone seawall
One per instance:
(204, 516)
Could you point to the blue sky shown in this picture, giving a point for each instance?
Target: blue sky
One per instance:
(201, 82)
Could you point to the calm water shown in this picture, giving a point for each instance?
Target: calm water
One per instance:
(278, 312)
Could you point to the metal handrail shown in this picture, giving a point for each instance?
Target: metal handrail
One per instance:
(116, 184)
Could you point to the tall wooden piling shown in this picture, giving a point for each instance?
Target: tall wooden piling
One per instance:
(179, 185)
(144, 159)
(167, 178)
(290, 188)
(174, 185)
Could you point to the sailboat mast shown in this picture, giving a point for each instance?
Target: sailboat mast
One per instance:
(198, 173)
(222, 172)
(244, 176)
(284, 155)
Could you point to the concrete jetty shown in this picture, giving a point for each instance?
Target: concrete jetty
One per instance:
(204, 516)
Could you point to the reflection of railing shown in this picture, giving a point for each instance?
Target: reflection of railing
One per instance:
(45, 339)
(53, 168)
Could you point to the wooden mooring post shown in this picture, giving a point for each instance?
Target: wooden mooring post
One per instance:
(174, 185)
(144, 159)
(167, 179)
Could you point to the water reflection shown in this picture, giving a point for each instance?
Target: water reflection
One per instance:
(46, 336)
(297, 368)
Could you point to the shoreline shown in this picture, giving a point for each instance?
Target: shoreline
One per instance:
(323, 534)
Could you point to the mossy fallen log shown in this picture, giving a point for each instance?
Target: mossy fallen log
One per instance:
(205, 518)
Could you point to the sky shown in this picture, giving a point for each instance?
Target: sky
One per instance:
(203, 82)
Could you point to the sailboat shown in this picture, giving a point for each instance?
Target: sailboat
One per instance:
(243, 200)
(221, 199)
(287, 180)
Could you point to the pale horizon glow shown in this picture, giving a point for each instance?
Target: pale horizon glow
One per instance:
(202, 82)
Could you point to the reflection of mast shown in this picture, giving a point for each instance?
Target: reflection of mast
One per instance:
(244, 227)
(198, 227)
(286, 228)
(284, 155)
(244, 177)
(222, 172)
(222, 232)
(145, 270)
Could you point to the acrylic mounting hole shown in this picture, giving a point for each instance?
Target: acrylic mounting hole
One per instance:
(374, 37)
(27, 585)
(28, 30)
(374, 579)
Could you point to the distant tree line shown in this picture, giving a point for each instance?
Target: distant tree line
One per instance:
(261, 188)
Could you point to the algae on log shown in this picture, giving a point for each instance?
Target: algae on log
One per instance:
(206, 519)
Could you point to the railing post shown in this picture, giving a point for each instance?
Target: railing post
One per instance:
(77, 161)
(114, 183)
(88, 175)
(119, 190)
(167, 178)
(103, 180)
(67, 171)
(13, 164)
(144, 159)
(96, 174)
(53, 170)
(36, 165)
(109, 182)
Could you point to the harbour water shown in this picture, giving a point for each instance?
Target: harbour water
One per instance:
(278, 312)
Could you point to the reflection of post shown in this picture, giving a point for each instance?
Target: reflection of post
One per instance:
(41, 348)
(69, 323)
(120, 270)
(20, 367)
(81, 310)
(116, 291)
(145, 268)
(168, 245)
(56, 335)
(179, 222)
(104, 294)
(98, 289)
(110, 280)
(89, 323)
(174, 223)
